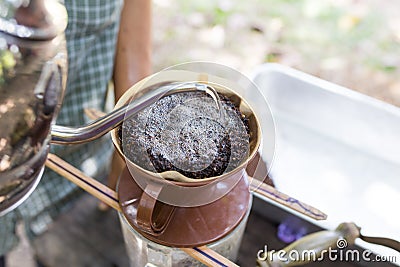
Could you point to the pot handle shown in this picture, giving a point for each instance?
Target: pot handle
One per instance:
(152, 215)
(148, 204)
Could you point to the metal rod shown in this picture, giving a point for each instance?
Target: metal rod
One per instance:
(273, 194)
(83, 134)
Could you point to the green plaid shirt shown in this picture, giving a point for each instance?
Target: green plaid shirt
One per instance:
(91, 39)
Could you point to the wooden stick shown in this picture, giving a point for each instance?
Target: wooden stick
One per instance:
(110, 197)
(85, 182)
(212, 257)
(288, 201)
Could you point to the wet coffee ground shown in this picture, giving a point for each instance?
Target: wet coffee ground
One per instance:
(184, 132)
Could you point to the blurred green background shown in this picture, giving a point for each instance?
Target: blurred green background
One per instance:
(352, 43)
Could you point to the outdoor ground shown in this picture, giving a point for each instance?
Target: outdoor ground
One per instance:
(355, 44)
(352, 43)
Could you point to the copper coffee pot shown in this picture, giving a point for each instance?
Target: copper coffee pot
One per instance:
(202, 210)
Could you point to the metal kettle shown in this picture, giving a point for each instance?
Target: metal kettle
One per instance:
(33, 68)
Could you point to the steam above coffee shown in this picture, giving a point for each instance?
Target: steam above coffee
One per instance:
(184, 132)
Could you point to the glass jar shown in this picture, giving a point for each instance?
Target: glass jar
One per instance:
(143, 252)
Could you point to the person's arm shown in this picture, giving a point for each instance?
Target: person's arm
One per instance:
(133, 54)
(132, 61)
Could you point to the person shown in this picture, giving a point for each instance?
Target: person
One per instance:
(106, 40)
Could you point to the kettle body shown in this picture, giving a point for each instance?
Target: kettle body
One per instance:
(33, 71)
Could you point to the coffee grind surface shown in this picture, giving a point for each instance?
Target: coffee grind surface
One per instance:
(184, 132)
